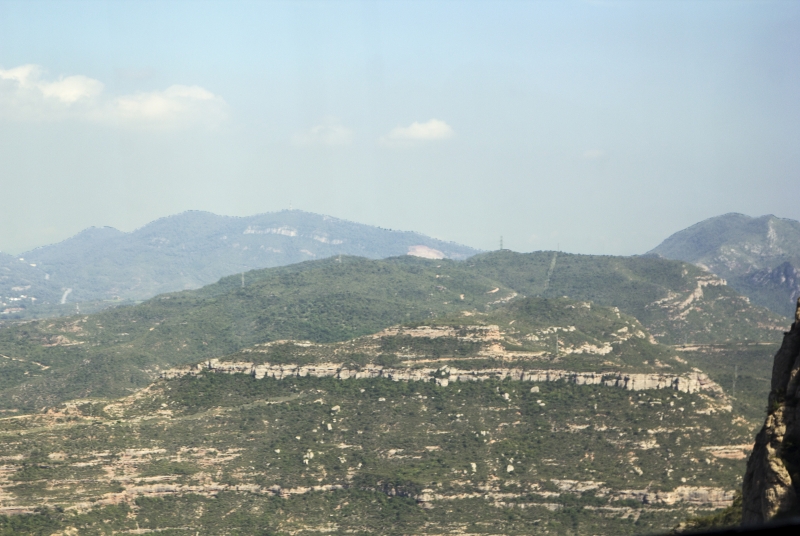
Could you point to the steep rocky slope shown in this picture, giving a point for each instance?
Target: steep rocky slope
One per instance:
(772, 480)
(759, 257)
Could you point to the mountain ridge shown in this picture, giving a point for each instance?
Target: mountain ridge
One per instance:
(189, 250)
(335, 299)
(759, 257)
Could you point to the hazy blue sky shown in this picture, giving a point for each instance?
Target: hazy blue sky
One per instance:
(600, 126)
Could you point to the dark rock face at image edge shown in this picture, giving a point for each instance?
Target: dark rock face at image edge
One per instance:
(770, 489)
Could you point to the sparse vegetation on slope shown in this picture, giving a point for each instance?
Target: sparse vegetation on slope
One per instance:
(109, 353)
(113, 352)
(677, 302)
(307, 454)
(486, 413)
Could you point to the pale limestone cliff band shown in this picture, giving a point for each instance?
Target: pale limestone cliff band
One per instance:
(691, 382)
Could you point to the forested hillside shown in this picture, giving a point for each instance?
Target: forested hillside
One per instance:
(546, 413)
(112, 352)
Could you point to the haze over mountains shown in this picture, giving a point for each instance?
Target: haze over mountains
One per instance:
(190, 250)
(759, 257)
(99, 267)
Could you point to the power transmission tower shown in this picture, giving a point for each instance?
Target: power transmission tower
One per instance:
(501, 242)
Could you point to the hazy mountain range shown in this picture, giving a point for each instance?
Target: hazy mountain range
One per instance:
(190, 250)
(759, 257)
(98, 267)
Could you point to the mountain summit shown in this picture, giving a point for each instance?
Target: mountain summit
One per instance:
(759, 257)
(193, 249)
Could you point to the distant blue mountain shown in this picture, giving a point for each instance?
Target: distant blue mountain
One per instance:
(190, 250)
(759, 257)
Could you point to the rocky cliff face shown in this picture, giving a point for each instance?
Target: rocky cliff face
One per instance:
(773, 471)
(781, 285)
(691, 382)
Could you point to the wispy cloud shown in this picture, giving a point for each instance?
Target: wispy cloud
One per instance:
(67, 90)
(25, 94)
(330, 132)
(433, 130)
(176, 105)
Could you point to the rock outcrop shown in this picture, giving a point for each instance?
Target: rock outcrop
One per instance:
(770, 489)
(690, 382)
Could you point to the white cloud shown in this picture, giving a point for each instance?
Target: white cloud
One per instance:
(25, 94)
(174, 106)
(433, 130)
(23, 75)
(329, 133)
(67, 90)
(72, 88)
